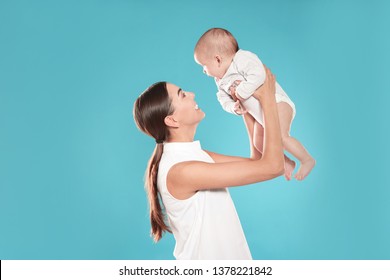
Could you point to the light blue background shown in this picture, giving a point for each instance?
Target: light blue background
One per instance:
(72, 161)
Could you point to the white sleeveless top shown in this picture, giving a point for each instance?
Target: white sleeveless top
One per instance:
(205, 226)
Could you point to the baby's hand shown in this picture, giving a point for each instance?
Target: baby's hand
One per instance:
(239, 108)
(232, 90)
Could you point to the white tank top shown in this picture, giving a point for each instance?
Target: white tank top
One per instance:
(205, 226)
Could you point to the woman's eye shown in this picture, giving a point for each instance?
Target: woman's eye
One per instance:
(184, 94)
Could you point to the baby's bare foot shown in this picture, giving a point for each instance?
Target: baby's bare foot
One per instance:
(289, 166)
(305, 168)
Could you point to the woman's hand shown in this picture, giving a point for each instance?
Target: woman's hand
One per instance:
(268, 88)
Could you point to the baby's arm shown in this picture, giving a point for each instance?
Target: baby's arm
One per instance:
(227, 103)
(252, 69)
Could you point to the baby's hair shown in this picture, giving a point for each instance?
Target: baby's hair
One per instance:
(218, 39)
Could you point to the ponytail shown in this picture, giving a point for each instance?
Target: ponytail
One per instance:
(150, 110)
(156, 212)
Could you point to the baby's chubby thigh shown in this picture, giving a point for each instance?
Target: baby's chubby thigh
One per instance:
(281, 96)
(284, 98)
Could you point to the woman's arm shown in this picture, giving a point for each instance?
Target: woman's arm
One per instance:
(254, 153)
(185, 178)
(220, 158)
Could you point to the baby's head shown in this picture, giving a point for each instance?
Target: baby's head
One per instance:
(214, 51)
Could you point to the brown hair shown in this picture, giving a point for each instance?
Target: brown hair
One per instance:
(218, 38)
(149, 112)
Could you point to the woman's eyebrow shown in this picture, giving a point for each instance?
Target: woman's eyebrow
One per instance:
(178, 91)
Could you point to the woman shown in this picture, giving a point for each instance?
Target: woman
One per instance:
(192, 182)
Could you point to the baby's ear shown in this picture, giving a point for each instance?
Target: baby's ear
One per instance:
(170, 121)
(218, 59)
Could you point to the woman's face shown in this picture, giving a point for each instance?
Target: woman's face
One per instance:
(186, 111)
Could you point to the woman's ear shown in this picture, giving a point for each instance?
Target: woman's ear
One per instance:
(170, 121)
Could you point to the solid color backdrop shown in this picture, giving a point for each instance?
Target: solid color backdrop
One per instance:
(72, 161)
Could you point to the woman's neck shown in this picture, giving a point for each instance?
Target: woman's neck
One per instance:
(181, 139)
(181, 136)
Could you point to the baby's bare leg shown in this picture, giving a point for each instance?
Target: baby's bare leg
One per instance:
(250, 127)
(258, 141)
(258, 137)
(291, 144)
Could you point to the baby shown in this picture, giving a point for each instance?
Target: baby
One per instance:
(238, 74)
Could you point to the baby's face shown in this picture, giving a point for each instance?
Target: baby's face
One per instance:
(212, 66)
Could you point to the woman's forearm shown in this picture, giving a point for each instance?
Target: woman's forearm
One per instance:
(273, 147)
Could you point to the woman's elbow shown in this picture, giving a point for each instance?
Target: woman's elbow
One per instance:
(280, 170)
(277, 168)
(277, 171)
